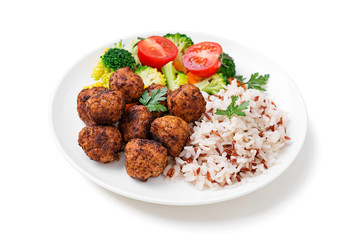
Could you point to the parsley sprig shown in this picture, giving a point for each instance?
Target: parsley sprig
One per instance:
(256, 81)
(234, 109)
(152, 101)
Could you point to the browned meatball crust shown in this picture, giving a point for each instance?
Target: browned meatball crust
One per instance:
(106, 107)
(172, 132)
(128, 82)
(144, 159)
(82, 97)
(150, 89)
(135, 123)
(186, 102)
(101, 143)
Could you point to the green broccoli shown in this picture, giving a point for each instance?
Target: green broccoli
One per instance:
(174, 78)
(182, 42)
(212, 84)
(116, 58)
(227, 67)
(150, 75)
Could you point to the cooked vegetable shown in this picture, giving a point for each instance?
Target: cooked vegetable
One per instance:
(192, 78)
(234, 109)
(101, 74)
(152, 101)
(227, 67)
(179, 66)
(150, 75)
(156, 51)
(239, 84)
(96, 84)
(127, 106)
(202, 59)
(212, 84)
(182, 42)
(134, 49)
(116, 58)
(256, 81)
(174, 78)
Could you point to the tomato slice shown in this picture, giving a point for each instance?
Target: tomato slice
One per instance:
(202, 59)
(156, 51)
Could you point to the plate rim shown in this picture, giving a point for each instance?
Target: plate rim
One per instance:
(156, 200)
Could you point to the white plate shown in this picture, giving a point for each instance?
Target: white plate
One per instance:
(66, 126)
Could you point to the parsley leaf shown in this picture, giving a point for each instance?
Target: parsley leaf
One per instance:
(234, 109)
(256, 81)
(152, 101)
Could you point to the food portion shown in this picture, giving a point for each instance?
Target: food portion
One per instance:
(171, 60)
(239, 136)
(150, 76)
(213, 84)
(136, 123)
(105, 107)
(202, 59)
(227, 67)
(112, 59)
(128, 82)
(144, 159)
(101, 143)
(156, 51)
(174, 78)
(116, 58)
(186, 102)
(182, 42)
(82, 97)
(170, 96)
(172, 132)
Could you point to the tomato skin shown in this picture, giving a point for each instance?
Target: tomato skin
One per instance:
(202, 59)
(206, 72)
(156, 51)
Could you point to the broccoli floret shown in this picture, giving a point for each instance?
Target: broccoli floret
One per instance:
(182, 41)
(212, 84)
(101, 73)
(116, 58)
(227, 67)
(150, 75)
(174, 78)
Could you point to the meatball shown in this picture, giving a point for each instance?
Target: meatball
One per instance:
(135, 123)
(144, 159)
(101, 143)
(172, 132)
(128, 82)
(82, 97)
(186, 102)
(106, 107)
(150, 89)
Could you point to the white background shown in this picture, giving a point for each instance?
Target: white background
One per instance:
(316, 42)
